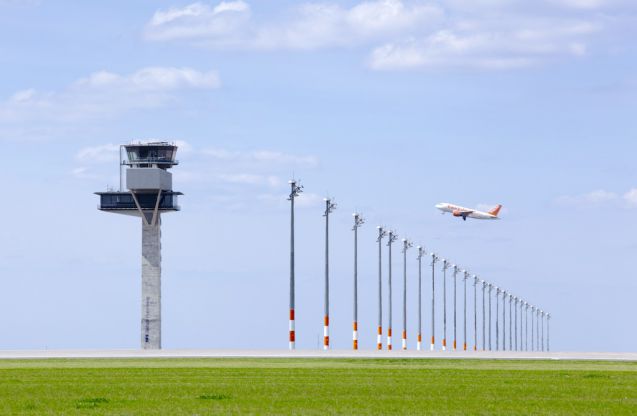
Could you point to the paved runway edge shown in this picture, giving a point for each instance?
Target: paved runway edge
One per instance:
(206, 353)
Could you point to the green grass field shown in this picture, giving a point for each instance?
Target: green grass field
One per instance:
(315, 386)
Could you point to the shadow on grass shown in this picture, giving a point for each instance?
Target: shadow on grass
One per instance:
(90, 403)
(214, 397)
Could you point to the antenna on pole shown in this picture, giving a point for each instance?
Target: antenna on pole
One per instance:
(295, 190)
(542, 326)
(548, 333)
(464, 311)
(434, 259)
(475, 310)
(379, 337)
(532, 326)
(456, 269)
(392, 237)
(330, 206)
(497, 318)
(490, 320)
(504, 338)
(515, 298)
(421, 252)
(526, 326)
(510, 322)
(406, 246)
(445, 266)
(358, 221)
(484, 338)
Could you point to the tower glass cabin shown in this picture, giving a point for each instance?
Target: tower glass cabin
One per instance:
(149, 194)
(148, 181)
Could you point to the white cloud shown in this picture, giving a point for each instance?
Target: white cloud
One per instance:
(311, 25)
(98, 154)
(601, 196)
(487, 45)
(630, 197)
(306, 200)
(594, 197)
(104, 94)
(262, 156)
(283, 158)
(250, 179)
(485, 34)
(581, 4)
(219, 24)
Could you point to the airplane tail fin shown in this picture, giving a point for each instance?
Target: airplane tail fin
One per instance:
(495, 211)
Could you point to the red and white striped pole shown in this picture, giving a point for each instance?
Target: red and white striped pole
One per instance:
(392, 238)
(406, 245)
(296, 189)
(421, 252)
(358, 221)
(434, 259)
(292, 333)
(379, 337)
(329, 207)
(326, 333)
(355, 336)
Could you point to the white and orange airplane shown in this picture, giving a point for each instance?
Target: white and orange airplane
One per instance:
(463, 212)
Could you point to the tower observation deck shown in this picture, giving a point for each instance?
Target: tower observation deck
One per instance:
(148, 194)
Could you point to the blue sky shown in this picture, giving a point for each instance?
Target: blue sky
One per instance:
(388, 106)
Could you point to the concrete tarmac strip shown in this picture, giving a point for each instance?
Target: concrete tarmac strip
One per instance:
(239, 353)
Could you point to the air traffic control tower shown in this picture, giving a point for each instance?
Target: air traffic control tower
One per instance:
(149, 194)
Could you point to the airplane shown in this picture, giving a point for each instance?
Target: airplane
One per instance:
(463, 212)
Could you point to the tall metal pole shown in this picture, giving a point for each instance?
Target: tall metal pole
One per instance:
(329, 207)
(537, 328)
(296, 189)
(541, 316)
(497, 318)
(522, 330)
(475, 311)
(464, 319)
(490, 320)
(406, 245)
(379, 337)
(516, 323)
(358, 221)
(504, 322)
(391, 239)
(484, 338)
(548, 333)
(526, 326)
(421, 252)
(510, 322)
(434, 259)
(532, 326)
(445, 266)
(455, 333)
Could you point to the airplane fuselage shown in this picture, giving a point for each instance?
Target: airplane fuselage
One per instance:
(464, 213)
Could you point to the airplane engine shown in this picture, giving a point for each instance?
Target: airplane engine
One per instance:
(457, 213)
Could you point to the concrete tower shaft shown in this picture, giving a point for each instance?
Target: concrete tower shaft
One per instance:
(151, 286)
